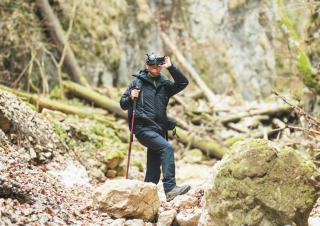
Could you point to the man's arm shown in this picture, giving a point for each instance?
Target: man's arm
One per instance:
(126, 100)
(180, 80)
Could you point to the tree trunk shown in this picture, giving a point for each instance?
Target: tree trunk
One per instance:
(58, 37)
(42, 102)
(94, 97)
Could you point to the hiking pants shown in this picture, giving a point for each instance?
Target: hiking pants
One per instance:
(159, 152)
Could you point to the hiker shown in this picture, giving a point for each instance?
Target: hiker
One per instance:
(151, 90)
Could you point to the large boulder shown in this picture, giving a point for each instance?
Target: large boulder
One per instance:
(128, 198)
(259, 183)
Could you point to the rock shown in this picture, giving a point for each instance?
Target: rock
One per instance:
(242, 45)
(135, 174)
(314, 221)
(118, 222)
(193, 156)
(128, 198)
(53, 115)
(182, 201)
(187, 173)
(111, 173)
(73, 174)
(166, 217)
(188, 217)
(259, 183)
(113, 158)
(97, 174)
(134, 222)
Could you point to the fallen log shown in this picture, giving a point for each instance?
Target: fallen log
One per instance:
(194, 74)
(270, 111)
(43, 102)
(58, 37)
(94, 97)
(208, 147)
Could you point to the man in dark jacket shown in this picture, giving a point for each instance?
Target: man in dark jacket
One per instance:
(152, 91)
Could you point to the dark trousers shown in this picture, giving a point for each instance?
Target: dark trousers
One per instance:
(159, 152)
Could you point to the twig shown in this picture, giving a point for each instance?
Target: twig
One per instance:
(65, 48)
(15, 83)
(304, 129)
(300, 111)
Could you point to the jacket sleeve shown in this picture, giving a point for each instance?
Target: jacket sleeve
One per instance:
(125, 100)
(180, 80)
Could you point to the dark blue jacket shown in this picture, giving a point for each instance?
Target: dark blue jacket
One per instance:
(151, 110)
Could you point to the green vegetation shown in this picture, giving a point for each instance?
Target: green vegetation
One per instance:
(302, 60)
(63, 134)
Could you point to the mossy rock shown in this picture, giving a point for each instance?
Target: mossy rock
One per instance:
(113, 158)
(111, 173)
(260, 183)
(193, 156)
(63, 134)
(97, 174)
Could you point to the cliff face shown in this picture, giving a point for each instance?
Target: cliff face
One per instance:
(236, 45)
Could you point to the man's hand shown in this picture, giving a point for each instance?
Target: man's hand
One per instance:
(134, 94)
(167, 62)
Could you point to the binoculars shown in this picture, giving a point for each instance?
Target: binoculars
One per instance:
(154, 59)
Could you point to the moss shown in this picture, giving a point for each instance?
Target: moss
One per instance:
(278, 194)
(114, 157)
(62, 133)
(97, 28)
(312, 81)
(138, 164)
(20, 35)
(117, 153)
(55, 92)
(236, 4)
(303, 63)
(232, 140)
(98, 129)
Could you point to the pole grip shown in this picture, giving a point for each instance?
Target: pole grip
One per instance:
(134, 105)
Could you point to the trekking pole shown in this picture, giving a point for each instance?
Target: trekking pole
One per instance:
(131, 137)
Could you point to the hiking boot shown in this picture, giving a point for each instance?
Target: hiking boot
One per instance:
(177, 190)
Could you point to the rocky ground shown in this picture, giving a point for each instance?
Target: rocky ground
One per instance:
(51, 165)
(38, 188)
